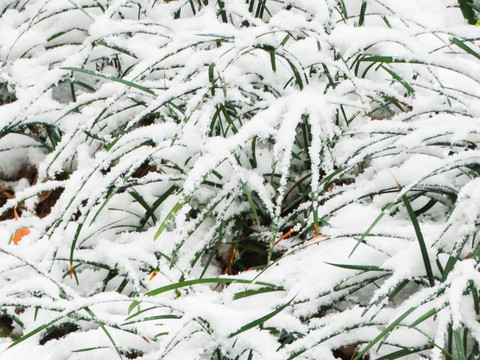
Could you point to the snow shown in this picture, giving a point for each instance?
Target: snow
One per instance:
(288, 114)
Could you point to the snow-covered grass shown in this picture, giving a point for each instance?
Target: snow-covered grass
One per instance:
(239, 179)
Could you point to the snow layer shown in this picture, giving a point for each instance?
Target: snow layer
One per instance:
(216, 129)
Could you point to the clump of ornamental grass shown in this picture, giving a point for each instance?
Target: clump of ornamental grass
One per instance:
(239, 179)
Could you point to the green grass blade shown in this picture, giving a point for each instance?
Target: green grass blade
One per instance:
(361, 19)
(424, 317)
(35, 331)
(390, 60)
(397, 77)
(251, 292)
(81, 9)
(152, 318)
(260, 320)
(358, 267)
(150, 212)
(74, 242)
(253, 160)
(343, 10)
(89, 349)
(139, 312)
(475, 299)
(84, 85)
(384, 333)
(133, 305)
(108, 77)
(296, 73)
(272, 61)
(452, 260)
(398, 288)
(421, 242)
(404, 352)
(286, 38)
(327, 179)
(205, 281)
(329, 76)
(117, 48)
(211, 77)
(459, 344)
(464, 47)
(169, 217)
(375, 222)
(215, 249)
(467, 11)
(247, 192)
(228, 119)
(271, 52)
(139, 198)
(104, 329)
(109, 197)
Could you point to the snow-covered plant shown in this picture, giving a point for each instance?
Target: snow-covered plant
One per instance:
(231, 179)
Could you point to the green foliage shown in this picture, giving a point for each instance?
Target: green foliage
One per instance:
(259, 144)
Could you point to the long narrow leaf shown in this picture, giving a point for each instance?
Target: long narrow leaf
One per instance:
(464, 47)
(247, 192)
(404, 352)
(421, 242)
(74, 242)
(375, 222)
(169, 217)
(205, 281)
(35, 331)
(108, 77)
(397, 77)
(424, 317)
(384, 333)
(260, 320)
(104, 329)
(156, 204)
(252, 292)
(361, 18)
(459, 344)
(358, 267)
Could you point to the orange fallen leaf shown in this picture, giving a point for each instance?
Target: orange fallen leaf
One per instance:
(144, 338)
(313, 239)
(6, 193)
(284, 236)
(19, 234)
(154, 273)
(232, 254)
(71, 271)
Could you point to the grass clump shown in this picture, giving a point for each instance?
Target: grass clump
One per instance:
(240, 180)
